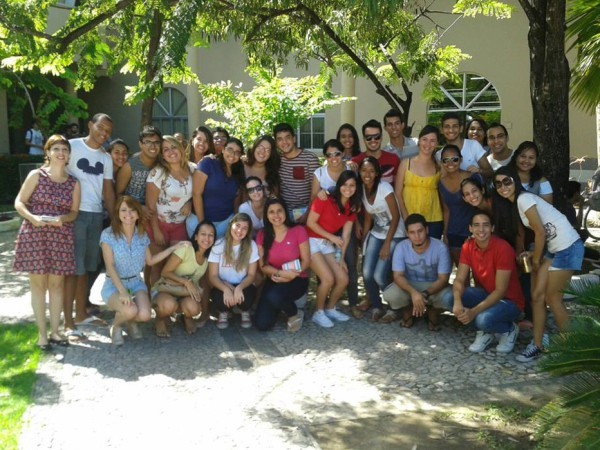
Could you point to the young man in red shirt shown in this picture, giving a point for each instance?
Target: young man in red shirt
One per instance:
(495, 305)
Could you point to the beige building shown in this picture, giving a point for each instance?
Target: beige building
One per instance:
(499, 61)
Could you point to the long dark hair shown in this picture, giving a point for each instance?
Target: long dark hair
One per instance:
(273, 163)
(237, 169)
(356, 144)
(268, 231)
(375, 163)
(195, 234)
(354, 202)
(209, 139)
(482, 124)
(506, 213)
(535, 174)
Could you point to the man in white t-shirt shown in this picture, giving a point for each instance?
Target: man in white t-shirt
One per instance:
(421, 267)
(34, 139)
(92, 166)
(394, 124)
(497, 137)
(473, 154)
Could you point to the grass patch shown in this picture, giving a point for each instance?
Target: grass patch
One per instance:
(19, 358)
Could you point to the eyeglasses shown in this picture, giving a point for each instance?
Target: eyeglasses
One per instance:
(508, 181)
(451, 159)
(151, 143)
(334, 154)
(233, 152)
(257, 188)
(372, 137)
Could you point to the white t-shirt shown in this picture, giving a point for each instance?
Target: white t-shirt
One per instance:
(91, 167)
(172, 196)
(380, 212)
(559, 232)
(228, 273)
(497, 164)
(35, 137)
(325, 181)
(257, 224)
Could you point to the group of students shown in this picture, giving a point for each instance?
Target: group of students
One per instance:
(209, 225)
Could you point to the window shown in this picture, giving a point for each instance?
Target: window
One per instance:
(169, 112)
(67, 3)
(471, 96)
(311, 134)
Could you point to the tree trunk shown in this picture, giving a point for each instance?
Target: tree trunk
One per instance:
(549, 89)
(155, 35)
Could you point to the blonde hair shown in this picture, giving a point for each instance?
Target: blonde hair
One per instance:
(243, 259)
(183, 162)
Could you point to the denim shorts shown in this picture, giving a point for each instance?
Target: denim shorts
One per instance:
(133, 285)
(320, 245)
(570, 258)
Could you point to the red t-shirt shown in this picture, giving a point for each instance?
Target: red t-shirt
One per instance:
(287, 250)
(388, 162)
(498, 255)
(330, 218)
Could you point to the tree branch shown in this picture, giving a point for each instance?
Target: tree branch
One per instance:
(264, 18)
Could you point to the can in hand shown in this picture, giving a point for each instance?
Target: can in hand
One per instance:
(526, 262)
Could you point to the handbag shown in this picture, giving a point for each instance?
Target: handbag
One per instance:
(176, 290)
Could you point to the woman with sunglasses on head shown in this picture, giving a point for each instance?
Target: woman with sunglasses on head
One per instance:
(263, 161)
(348, 136)
(284, 258)
(232, 266)
(200, 145)
(217, 187)
(525, 162)
(325, 219)
(417, 183)
(552, 271)
(457, 213)
(255, 190)
(323, 184)
(384, 228)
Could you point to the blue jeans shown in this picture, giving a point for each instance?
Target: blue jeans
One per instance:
(377, 273)
(350, 258)
(498, 318)
(277, 297)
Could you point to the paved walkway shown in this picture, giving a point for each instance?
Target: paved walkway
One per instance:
(357, 385)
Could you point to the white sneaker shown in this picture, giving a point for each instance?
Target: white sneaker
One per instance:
(321, 319)
(334, 314)
(507, 340)
(223, 321)
(481, 342)
(246, 320)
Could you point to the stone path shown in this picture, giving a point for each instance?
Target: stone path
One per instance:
(338, 388)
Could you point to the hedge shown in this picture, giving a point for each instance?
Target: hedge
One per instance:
(10, 183)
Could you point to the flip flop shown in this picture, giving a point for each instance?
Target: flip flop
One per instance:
(92, 321)
(46, 348)
(407, 323)
(59, 342)
(75, 335)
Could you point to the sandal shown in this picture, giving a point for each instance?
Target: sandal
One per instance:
(161, 330)
(59, 342)
(407, 323)
(377, 314)
(75, 335)
(357, 313)
(363, 306)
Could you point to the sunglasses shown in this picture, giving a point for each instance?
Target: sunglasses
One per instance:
(258, 188)
(451, 159)
(372, 137)
(508, 181)
(334, 154)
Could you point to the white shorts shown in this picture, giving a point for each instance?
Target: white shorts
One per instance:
(320, 245)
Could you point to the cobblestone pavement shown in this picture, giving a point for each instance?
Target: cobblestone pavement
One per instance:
(236, 388)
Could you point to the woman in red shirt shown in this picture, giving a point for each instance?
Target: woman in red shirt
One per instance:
(327, 250)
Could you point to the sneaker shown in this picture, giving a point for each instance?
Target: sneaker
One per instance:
(507, 340)
(334, 314)
(321, 319)
(116, 335)
(481, 342)
(531, 353)
(223, 321)
(246, 321)
(389, 317)
(545, 341)
(294, 323)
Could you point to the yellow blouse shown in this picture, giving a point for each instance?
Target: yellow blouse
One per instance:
(420, 195)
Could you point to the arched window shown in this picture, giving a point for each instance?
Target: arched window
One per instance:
(470, 96)
(169, 112)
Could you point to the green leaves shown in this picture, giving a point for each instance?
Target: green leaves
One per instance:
(273, 99)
